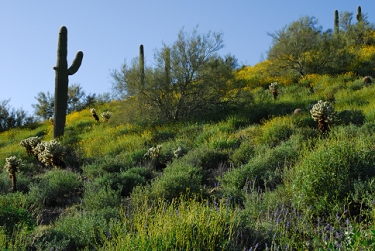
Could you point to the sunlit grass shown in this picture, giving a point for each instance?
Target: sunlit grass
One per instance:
(183, 224)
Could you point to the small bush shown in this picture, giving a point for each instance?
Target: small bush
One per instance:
(123, 182)
(177, 179)
(11, 215)
(97, 198)
(79, 231)
(243, 154)
(346, 117)
(56, 187)
(265, 168)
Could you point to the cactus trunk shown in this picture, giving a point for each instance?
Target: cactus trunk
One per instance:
(13, 178)
(142, 65)
(359, 14)
(336, 21)
(323, 126)
(61, 81)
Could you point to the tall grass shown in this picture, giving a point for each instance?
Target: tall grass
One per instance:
(182, 224)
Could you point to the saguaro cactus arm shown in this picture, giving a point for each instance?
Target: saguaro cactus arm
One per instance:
(76, 63)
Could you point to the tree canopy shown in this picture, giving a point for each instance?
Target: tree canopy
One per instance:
(77, 100)
(302, 47)
(189, 78)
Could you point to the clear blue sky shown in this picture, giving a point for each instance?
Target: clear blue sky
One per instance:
(110, 31)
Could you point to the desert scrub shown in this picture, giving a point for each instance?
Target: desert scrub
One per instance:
(323, 112)
(77, 231)
(328, 170)
(182, 224)
(55, 187)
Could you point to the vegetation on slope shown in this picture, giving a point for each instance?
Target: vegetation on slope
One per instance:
(241, 177)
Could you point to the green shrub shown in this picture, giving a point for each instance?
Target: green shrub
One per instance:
(11, 216)
(79, 231)
(327, 171)
(124, 182)
(177, 179)
(97, 198)
(243, 153)
(276, 130)
(205, 158)
(265, 168)
(355, 117)
(56, 187)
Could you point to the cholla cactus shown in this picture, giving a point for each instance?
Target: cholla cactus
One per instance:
(106, 115)
(323, 112)
(30, 144)
(51, 153)
(273, 87)
(93, 112)
(154, 152)
(177, 153)
(11, 166)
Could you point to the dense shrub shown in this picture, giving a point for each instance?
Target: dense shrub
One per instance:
(56, 187)
(96, 198)
(347, 117)
(77, 231)
(14, 211)
(124, 182)
(243, 153)
(178, 178)
(328, 171)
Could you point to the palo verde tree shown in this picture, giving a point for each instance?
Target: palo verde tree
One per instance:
(189, 78)
(61, 81)
(292, 44)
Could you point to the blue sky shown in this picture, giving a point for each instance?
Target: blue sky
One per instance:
(109, 32)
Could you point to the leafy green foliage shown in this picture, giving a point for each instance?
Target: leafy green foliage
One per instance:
(55, 187)
(11, 118)
(196, 81)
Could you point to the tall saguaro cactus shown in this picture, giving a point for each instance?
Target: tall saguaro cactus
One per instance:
(336, 21)
(359, 14)
(142, 64)
(62, 79)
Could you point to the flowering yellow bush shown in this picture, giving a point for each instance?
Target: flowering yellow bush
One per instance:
(259, 75)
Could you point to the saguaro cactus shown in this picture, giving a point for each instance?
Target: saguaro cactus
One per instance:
(61, 81)
(142, 64)
(336, 21)
(359, 14)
